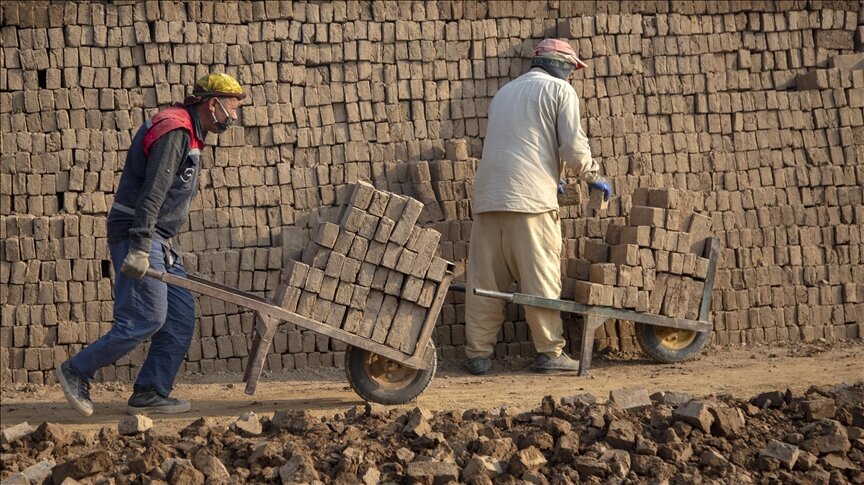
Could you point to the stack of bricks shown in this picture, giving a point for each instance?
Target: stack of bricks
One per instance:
(375, 274)
(702, 96)
(655, 264)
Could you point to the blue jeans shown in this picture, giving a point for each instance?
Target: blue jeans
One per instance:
(145, 308)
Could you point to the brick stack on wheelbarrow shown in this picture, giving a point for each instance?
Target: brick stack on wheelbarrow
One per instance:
(375, 274)
(655, 264)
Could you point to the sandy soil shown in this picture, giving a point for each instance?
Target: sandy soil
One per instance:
(741, 372)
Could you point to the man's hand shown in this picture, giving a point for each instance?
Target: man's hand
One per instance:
(602, 185)
(136, 263)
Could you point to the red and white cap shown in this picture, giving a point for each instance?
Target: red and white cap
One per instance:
(558, 49)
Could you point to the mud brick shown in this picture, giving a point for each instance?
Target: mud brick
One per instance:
(689, 264)
(370, 313)
(437, 269)
(671, 198)
(321, 310)
(419, 172)
(344, 242)
(290, 299)
(378, 204)
(596, 252)
(682, 244)
(647, 216)
(699, 228)
(625, 275)
(441, 170)
(640, 196)
(661, 260)
(631, 297)
(379, 279)
(658, 238)
(316, 256)
(344, 292)
(658, 293)
(406, 261)
(646, 258)
(327, 234)
(395, 207)
(334, 265)
(456, 149)
(350, 268)
(604, 273)
(393, 286)
(362, 195)
(597, 200)
(695, 288)
(314, 279)
(391, 255)
(368, 227)
(295, 274)
(649, 278)
(676, 263)
(427, 295)
(613, 234)
(385, 318)
(411, 289)
(643, 301)
(328, 288)
(676, 298)
(579, 268)
(337, 313)
(359, 248)
(384, 229)
(676, 220)
(402, 231)
(375, 253)
(701, 269)
(850, 292)
(358, 297)
(426, 246)
(364, 276)
(639, 235)
(306, 303)
(624, 254)
(617, 297)
(352, 219)
(353, 318)
(413, 237)
(593, 293)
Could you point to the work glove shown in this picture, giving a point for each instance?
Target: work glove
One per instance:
(136, 263)
(561, 184)
(602, 185)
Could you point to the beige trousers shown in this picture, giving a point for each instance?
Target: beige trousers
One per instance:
(507, 247)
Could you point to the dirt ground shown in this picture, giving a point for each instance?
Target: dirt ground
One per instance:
(740, 372)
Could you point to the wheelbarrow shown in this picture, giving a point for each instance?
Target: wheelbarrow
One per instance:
(664, 339)
(376, 372)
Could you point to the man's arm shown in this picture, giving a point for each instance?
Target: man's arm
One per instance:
(573, 143)
(165, 157)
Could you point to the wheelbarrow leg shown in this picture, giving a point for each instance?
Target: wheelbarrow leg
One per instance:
(589, 326)
(265, 328)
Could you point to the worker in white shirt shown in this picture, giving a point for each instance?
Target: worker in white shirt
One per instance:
(534, 130)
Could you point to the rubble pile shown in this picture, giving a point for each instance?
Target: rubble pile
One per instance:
(667, 437)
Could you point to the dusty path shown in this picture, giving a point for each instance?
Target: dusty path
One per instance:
(741, 372)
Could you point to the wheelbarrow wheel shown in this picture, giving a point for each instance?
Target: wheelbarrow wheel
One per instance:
(669, 345)
(384, 381)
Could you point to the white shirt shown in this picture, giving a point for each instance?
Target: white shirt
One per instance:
(533, 132)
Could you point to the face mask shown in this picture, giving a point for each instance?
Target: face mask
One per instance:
(222, 126)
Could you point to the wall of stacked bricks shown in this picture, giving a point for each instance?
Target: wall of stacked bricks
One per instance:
(755, 106)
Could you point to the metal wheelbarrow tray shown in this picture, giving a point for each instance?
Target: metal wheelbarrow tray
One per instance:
(376, 372)
(665, 339)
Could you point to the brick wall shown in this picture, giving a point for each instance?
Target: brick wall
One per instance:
(755, 105)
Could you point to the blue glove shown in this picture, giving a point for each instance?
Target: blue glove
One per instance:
(561, 184)
(602, 185)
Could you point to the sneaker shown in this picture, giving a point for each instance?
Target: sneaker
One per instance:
(562, 363)
(478, 365)
(77, 390)
(150, 401)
